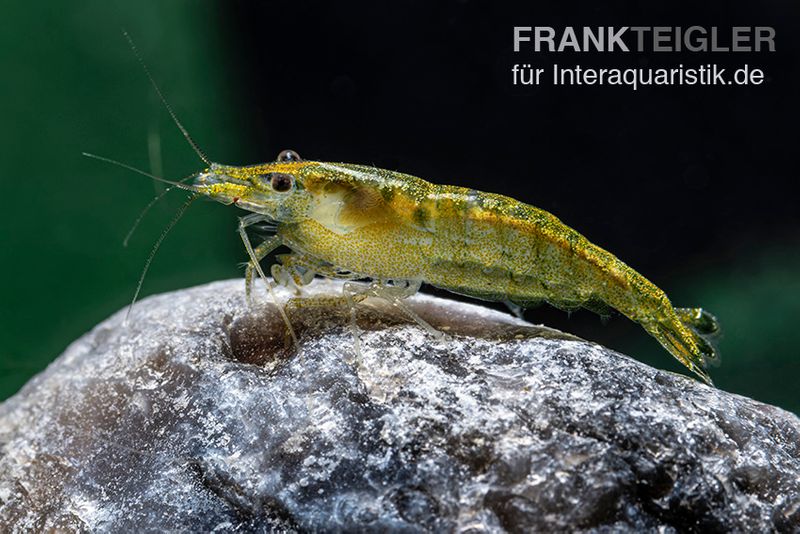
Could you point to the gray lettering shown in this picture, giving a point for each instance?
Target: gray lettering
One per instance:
(701, 43)
(716, 47)
(544, 34)
(518, 37)
(640, 31)
(740, 39)
(615, 39)
(765, 34)
(568, 38)
(661, 36)
(595, 39)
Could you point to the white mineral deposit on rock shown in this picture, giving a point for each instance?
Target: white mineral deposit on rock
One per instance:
(196, 417)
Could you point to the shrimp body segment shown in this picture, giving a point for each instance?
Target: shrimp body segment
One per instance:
(385, 225)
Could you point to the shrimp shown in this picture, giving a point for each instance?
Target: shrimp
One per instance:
(351, 221)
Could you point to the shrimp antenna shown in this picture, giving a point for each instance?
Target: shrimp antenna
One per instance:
(143, 213)
(179, 185)
(147, 209)
(156, 246)
(164, 100)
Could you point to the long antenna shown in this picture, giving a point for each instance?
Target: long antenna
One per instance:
(139, 171)
(143, 213)
(147, 209)
(156, 246)
(164, 100)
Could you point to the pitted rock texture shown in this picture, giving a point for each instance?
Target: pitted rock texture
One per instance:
(196, 417)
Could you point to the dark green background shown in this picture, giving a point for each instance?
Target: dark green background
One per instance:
(70, 84)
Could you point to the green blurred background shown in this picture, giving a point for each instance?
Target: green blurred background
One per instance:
(71, 84)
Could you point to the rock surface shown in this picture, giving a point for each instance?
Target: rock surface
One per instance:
(195, 417)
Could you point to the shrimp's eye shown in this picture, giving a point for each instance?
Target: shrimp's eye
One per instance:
(281, 182)
(287, 156)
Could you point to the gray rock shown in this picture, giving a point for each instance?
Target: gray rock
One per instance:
(196, 417)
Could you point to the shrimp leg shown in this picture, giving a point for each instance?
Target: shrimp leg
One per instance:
(243, 223)
(348, 298)
(353, 293)
(302, 269)
(394, 294)
(299, 270)
(260, 252)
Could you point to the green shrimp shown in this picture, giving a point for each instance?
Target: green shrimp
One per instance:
(358, 222)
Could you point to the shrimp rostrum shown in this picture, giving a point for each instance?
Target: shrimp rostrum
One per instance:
(360, 222)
